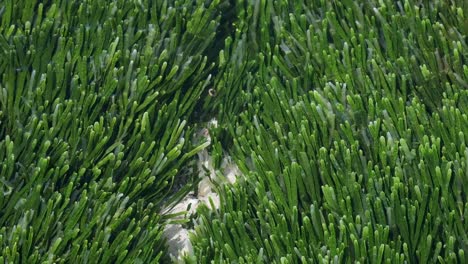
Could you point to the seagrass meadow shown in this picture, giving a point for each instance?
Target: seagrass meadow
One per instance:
(348, 121)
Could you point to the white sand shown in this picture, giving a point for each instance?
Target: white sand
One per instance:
(178, 236)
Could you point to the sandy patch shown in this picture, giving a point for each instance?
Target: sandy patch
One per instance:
(177, 235)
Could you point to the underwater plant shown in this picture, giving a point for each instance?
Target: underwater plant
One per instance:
(340, 136)
(352, 142)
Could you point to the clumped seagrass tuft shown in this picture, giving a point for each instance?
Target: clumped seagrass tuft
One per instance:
(353, 143)
(94, 102)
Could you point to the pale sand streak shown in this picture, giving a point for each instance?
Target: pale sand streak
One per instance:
(178, 236)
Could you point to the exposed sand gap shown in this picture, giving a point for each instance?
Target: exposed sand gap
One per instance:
(176, 234)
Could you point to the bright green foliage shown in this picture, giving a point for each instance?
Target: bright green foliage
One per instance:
(353, 144)
(348, 120)
(93, 102)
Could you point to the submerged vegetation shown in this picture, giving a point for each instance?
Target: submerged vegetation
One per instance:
(348, 121)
